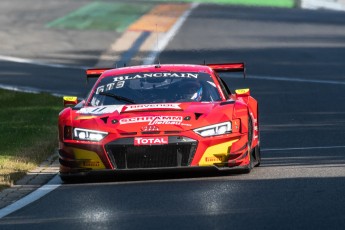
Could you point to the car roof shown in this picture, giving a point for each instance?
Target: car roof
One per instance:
(158, 68)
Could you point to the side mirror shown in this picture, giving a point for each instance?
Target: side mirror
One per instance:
(242, 92)
(70, 101)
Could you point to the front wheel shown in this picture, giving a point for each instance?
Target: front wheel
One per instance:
(251, 151)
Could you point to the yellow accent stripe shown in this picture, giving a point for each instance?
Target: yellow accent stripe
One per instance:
(161, 18)
(241, 91)
(86, 117)
(216, 154)
(70, 98)
(88, 159)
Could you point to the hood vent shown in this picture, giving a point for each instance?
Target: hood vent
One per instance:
(151, 132)
(197, 115)
(128, 134)
(104, 119)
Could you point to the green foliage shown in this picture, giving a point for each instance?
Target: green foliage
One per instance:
(28, 127)
(102, 16)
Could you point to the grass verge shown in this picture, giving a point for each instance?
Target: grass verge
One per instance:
(102, 16)
(28, 127)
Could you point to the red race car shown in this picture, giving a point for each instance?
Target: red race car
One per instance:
(159, 117)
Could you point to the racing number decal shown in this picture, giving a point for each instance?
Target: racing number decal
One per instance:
(110, 86)
(120, 84)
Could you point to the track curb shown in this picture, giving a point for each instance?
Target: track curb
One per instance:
(33, 180)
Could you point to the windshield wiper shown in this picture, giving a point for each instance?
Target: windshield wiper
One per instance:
(117, 97)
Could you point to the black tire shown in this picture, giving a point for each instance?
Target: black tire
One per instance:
(251, 152)
(257, 155)
(257, 148)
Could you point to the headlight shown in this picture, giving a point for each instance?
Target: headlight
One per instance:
(214, 130)
(88, 135)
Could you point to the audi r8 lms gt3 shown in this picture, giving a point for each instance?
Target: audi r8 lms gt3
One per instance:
(159, 117)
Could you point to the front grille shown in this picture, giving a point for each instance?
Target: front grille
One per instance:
(125, 155)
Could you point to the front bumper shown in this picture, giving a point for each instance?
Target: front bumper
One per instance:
(180, 153)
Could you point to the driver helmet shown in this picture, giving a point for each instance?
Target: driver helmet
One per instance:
(192, 91)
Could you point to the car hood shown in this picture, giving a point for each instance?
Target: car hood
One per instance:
(168, 117)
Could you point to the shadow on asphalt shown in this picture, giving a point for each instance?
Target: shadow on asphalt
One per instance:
(151, 175)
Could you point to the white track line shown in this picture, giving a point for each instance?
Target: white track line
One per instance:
(33, 90)
(302, 148)
(150, 59)
(152, 56)
(40, 63)
(19, 89)
(35, 195)
(271, 78)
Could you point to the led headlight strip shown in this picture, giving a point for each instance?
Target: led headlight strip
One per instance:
(214, 130)
(88, 135)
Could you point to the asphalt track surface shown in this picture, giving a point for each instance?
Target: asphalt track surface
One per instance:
(295, 61)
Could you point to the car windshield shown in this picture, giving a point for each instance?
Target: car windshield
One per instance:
(155, 87)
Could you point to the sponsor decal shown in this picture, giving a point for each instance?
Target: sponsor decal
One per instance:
(100, 89)
(151, 140)
(98, 110)
(110, 86)
(152, 106)
(214, 159)
(149, 128)
(154, 120)
(91, 164)
(155, 75)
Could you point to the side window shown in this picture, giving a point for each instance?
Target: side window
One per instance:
(224, 87)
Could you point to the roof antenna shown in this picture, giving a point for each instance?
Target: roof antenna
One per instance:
(159, 62)
(124, 64)
(204, 62)
(158, 65)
